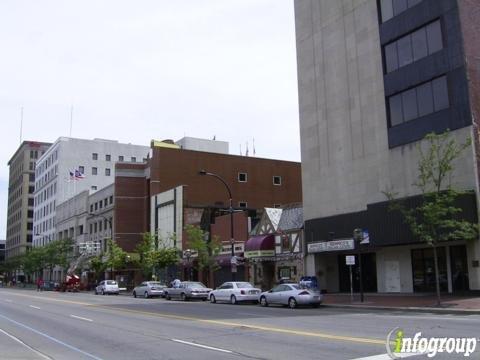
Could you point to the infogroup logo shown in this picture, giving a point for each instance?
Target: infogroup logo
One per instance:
(398, 344)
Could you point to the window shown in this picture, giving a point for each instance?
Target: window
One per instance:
(413, 47)
(91, 210)
(99, 226)
(100, 204)
(242, 177)
(120, 158)
(94, 171)
(422, 100)
(108, 157)
(242, 204)
(277, 180)
(107, 172)
(96, 206)
(391, 8)
(94, 156)
(105, 202)
(111, 199)
(277, 206)
(81, 169)
(134, 159)
(93, 187)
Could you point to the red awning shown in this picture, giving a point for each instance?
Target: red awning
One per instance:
(263, 245)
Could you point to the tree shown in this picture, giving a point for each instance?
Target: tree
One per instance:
(437, 218)
(98, 266)
(155, 253)
(206, 250)
(116, 257)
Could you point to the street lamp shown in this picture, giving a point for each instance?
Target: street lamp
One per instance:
(358, 237)
(187, 254)
(230, 210)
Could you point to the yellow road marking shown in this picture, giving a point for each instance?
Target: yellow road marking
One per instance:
(222, 323)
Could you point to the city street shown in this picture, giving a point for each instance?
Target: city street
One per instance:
(52, 325)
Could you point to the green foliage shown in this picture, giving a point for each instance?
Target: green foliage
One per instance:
(98, 265)
(116, 256)
(156, 253)
(206, 250)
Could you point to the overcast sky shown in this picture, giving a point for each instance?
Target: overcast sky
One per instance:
(140, 70)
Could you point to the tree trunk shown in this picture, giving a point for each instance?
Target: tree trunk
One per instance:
(437, 275)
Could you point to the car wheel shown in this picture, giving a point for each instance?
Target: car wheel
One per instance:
(233, 300)
(212, 299)
(96, 292)
(263, 301)
(145, 295)
(134, 294)
(316, 305)
(292, 303)
(103, 292)
(167, 297)
(183, 297)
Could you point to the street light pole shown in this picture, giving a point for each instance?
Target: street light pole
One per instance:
(358, 237)
(230, 210)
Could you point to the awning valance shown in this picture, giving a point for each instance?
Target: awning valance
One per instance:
(263, 245)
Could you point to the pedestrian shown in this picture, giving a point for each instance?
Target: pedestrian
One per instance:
(40, 284)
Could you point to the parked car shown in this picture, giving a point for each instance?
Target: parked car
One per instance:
(107, 287)
(291, 295)
(149, 289)
(188, 290)
(234, 292)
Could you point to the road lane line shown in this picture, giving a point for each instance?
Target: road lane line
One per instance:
(202, 346)
(43, 356)
(35, 307)
(71, 347)
(81, 318)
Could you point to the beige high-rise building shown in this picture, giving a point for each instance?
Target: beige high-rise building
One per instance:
(21, 185)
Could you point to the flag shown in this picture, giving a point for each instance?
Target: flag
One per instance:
(79, 174)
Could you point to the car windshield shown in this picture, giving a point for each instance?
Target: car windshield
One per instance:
(111, 282)
(195, 284)
(244, 285)
(296, 286)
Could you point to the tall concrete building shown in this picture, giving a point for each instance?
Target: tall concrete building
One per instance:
(375, 76)
(71, 166)
(20, 196)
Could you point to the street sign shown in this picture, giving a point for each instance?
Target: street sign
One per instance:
(350, 259)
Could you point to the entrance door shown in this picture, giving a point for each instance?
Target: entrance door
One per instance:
(369, 273)
(424, 270)
(392, 276)
(459, 266)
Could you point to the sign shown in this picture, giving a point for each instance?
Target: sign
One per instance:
(258, 253)
(366, 237)
(350, 259)
(335, 245)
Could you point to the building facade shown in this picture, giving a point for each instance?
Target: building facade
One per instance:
(20, 196)
(71, 166)
(374, 78)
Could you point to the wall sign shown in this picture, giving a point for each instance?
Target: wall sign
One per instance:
(335, 245)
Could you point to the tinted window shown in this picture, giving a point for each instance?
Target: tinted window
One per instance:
(404, 48)
(409, 102)
(244, 285)
(396, 114)
(419, 44)
(440, 93)
(413, 2)
(399, 6)
(434, 35)
(391, 58)
(425, 99)
(387, 9)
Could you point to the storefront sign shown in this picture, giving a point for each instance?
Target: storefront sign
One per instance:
(336, 245)
(258, 253)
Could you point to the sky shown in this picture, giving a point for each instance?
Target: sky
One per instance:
(133, 71)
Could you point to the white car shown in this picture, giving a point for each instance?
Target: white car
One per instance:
(149, 289)
(107, 287)
(234, 292)
(291, 295)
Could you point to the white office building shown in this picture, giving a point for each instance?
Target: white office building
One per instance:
(71, 166)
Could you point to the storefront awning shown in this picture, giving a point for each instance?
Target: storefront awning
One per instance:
(258, 246)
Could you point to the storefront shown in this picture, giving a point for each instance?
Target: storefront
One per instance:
(260, 259)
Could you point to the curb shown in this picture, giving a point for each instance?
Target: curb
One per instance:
(407, 308)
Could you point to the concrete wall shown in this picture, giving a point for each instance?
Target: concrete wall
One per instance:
(403, 256)
(346, 162)
(189, 143)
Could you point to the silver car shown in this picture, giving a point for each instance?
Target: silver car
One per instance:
(291, 295)
(188, 290)
(149, 289)
(234, 292)
(107, 287)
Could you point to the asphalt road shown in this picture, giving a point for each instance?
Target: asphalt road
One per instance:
(51, 325)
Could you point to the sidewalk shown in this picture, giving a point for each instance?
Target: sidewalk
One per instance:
(415, 302)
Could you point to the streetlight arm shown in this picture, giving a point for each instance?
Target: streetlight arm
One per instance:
(203, 172)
